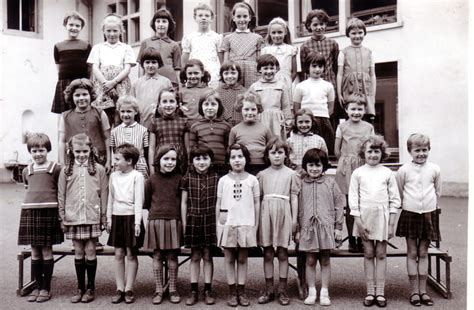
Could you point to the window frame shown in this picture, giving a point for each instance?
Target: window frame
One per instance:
(37, 34)
(128, 18)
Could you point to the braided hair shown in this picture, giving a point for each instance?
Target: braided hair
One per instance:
(81, 138)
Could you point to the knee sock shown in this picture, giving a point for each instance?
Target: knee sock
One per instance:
(158, 272)
(37, 272)
(173, 270)
(232, 289)
(413, 279)
(422, 283)
(48, 267)
(269, 284)
(194, 287)
(282, 284)
(370, 288)
(380, 288)
(207, 287)
(241, 289)
(80, 265)
(91, 267)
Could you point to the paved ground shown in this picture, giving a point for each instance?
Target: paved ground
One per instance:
(347, 286)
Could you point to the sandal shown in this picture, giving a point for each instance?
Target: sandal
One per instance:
(427, 300)
(369, 300)
(381, 301)
(415, 300)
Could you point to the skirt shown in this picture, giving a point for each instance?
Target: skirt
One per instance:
(59, 103)
(419, 226)
(83, 232)
(163, 234)
(40, 227)
(345, 166)
(275, 121)
(243, 236)
(317, 237)
(200, 231)
(275, 223)
(109, 99)
(122, 234)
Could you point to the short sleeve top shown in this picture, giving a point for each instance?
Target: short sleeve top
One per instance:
(106, 54)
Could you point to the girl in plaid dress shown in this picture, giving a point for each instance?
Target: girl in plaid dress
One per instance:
(231, 78)
(198, 214)
(82, 199)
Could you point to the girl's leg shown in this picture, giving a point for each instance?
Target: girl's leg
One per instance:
(242, 259)
(132, 269)
(80, 266)
(120, 269)
(91, 269)
(194, 266)
(208, 275)
(325, 263)
(423, 270)
(380, 270)
(229, 259)
(268, 256)
(36, 271)
(412, 265)
(158, 271)
(173, 270)
(283, 271)
(369, 269)
(311, 261)
(48, 267)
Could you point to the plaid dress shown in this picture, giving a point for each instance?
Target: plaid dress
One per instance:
(201, 209)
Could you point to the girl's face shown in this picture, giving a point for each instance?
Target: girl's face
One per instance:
(237, 161)
(318, 28)
(151, 66)
(73, 28)
(168, 103)
(230, 77)
(277, 33)
(203, 18)
(304, 123)
(355, 111)
(241, 18)
(81, 98)
(277, 156)
(194, 75)
(419, 153)
(39, 155)
(314, 170)
(112, 32)
(268, 72)
(121, 164)
(357, 36)
(315, 70)
(372, 156)
(210, 107)
(161, 26)
(81, 152)
(249, 112)
(202, 163)
(168, 162)
(127, 114)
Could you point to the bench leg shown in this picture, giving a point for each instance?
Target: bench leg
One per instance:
(23, 289)
(435, 280)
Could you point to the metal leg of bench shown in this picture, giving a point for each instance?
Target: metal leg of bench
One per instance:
(23, 289)
(20, 257)
(443, 288)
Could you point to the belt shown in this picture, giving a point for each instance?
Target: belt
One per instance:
(276, 196)
(221, 210)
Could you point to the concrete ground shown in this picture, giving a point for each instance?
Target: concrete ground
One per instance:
(347, 287)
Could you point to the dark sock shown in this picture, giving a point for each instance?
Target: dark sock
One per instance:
(37, 272)
(194, 286)
(48, 267)
(241, 288)
(91, 267)
(232, 288)
(269, 284)
(80, 265)
(282, 284)
(207, 287)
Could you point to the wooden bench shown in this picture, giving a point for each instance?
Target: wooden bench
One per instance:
(440, 281)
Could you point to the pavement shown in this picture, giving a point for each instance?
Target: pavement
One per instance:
(347, 288)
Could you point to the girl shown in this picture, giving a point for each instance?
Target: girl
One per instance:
(211, 130)
(237, 213)
(374, 200)
(320, 217)
(168, 126)
(111, 62)
(204, 43)
(163, 26)
(70, 57)
(198, 214)
(356, 68)
(304, 137)
(274, 96)
(230, 76)
(124, 219)
(129, 131)
(39, 223)
(194, 79)
(278, 216)
(349, 135)
(243, 46)
(164, 230)
(82, 201)
(84, 119)
(419, 184)
(251, 132)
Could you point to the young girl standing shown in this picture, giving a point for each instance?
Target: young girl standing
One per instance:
(164, 228)
(374, 201)
(39, 223)
(124, 219)
(243, 46)
(419, 183)
(82, 201)
(320, 217)
(278, 216)
(111, 62)
(230, 76)
(349, 135)
(129, 131)
(237, 213)
(356, 68)
(198, 214)
(70, 57)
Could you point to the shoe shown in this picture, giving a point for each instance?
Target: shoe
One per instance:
(174, 298)
(88, 296)
(193, 299)
(369, 300)
(381, 301)
(283, 299)
(266, 298)
(77, 297)
(33, 295)
(310, 300)
(43, 296)
(129, 297)
(415, 299)
(118, 297)
(209, 298)
(233, 300)
(158, 298)
(324, 300)
(426, 300)
(244, 299)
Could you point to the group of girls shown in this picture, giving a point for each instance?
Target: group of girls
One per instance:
(173, 143)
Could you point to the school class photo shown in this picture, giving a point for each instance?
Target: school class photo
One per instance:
(144, 137)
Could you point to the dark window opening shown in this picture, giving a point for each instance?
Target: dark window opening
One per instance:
(21, 15)
(375, 12)
(330, 6)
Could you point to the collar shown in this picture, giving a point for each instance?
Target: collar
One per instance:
(200, 85)
(152, 77)
(49, 168)
(318, 39)
(242, 31)
(308, 134)
(168, 117)
(166, 39)
(129, 126)
(262, 80)
(84, 164)
(236, 86)
(89, 107)
(319, 180)
(113, 45)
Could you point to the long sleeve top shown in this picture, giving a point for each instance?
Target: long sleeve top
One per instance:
(126, 195)
(163, 196)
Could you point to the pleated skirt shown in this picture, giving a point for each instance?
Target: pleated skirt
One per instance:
(419, 226)
(163, 234)
(122, 234)
(40, 227)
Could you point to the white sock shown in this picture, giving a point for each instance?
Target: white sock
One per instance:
(324, 291)
(312, 291)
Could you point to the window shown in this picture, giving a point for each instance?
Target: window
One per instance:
(130, 12)
(22, 15)
(330, 6)
(176, 9)
(375, 12)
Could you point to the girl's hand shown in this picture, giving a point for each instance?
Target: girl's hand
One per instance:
(338, 235)
(107, 167)
(296, 237)
(222, 218)
(63, 227)
(363, 231)
(341, 100)
(137, 230)
(391, 231)
(294, 228)
(108, 85)
(109, 228)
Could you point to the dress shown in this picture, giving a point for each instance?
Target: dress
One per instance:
(205, 47)
(71, 58)
(299, 144)
(228, 96)
(243, 48)
(284, 53)
(351, 135)
(170, 130)
(190, 97)
(320, 212)
(357, 63)
(277, 186)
